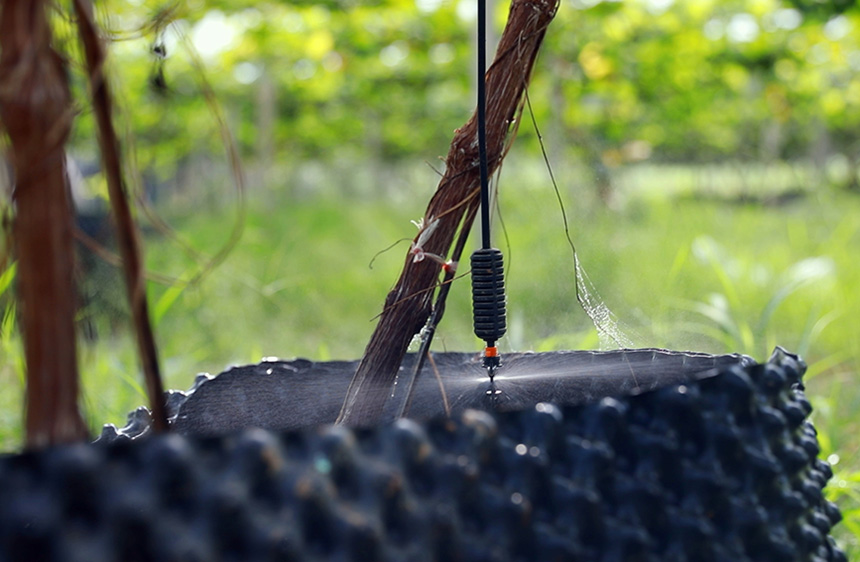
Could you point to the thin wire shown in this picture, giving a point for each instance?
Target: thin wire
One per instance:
(435, 317)
(380, 252)
(554, 183)
(496, 179)
(593, 306)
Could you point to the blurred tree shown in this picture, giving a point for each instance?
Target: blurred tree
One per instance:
(339, 82)
(705, 81)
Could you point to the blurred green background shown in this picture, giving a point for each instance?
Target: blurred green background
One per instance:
(708, 154)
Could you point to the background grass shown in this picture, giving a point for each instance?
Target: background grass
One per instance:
(684, 262)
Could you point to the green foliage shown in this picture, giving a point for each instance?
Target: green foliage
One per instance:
(299, 285)
(704, 80)
(11, 366)
(823, 8)
(333, 103)
(684, 81)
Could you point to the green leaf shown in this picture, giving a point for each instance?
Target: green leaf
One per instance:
(7, 277)
(166, 300)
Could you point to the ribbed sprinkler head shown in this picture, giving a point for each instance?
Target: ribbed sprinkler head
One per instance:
(488, 302)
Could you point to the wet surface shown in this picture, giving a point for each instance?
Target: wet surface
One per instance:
(299, 393)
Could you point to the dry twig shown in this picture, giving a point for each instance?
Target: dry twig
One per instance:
(127, 236)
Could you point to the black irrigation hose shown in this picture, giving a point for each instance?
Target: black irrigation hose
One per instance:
(482, 124)
(488, 282)
(723, 468)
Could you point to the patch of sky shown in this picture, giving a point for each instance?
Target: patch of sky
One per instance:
(837, 28)
(467, 10)
(304, 69)
(818, 54)
(714, 29)
(247, 72)
(428, 6)
(394, 54)
(854, 60)
(742, 28)
(214, 34)
(293, 22)
(442, 53)
(332, 61)
(657, 7)
(786, 19)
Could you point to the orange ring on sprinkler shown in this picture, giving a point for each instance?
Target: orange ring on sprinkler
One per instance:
(491, 352)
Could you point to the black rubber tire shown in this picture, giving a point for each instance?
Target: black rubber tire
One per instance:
(719, 469)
